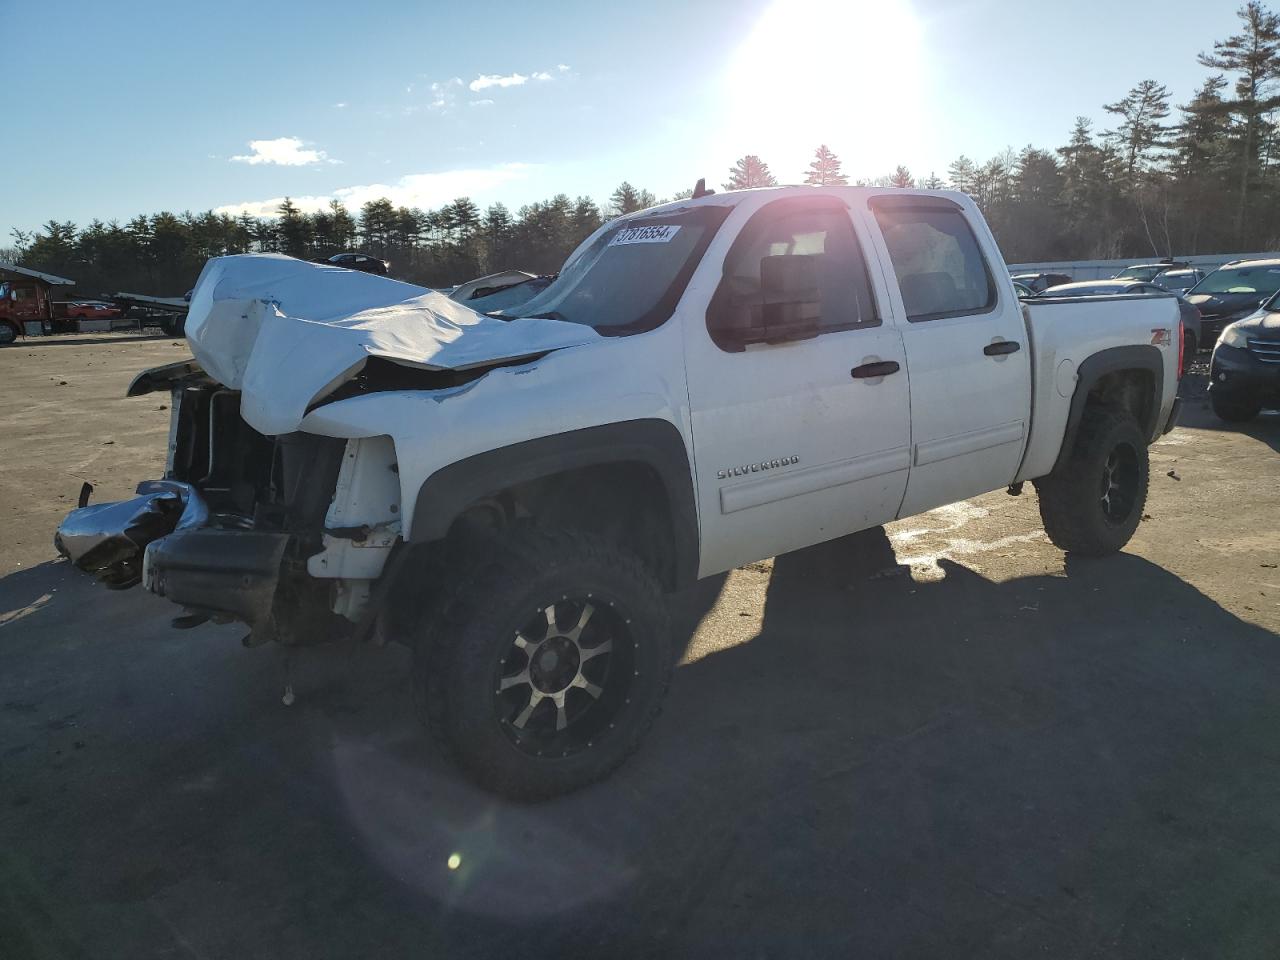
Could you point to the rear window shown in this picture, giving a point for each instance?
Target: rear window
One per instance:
(939, 266)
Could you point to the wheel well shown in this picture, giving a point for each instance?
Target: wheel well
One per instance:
(626, 502)
(1130, 390)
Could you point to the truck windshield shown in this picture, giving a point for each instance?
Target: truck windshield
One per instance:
(1249, 279)
(631, 276)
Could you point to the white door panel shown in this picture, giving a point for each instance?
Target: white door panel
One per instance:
(791, 448)
(969, 411)
(967, 349)
(846, 442)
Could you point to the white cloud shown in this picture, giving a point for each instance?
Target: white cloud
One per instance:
(339, 106)
(444, 93)
(562, 67)
(480, 103)
(413, 190)
(542, 75)
(486, 80)
(284, 152)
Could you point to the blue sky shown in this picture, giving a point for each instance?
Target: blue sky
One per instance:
(127, 107)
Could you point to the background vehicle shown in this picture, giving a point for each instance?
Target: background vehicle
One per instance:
(1149, 271)
(1178, 281)
(1022, 290)
(706, 383)
(90, 310)
(1109, 288)
(1231, 293)
(362, 262)
(1244, 376)
(26, 297)
(1041, 281)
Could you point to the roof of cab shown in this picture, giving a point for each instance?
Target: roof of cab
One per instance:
(735, 197)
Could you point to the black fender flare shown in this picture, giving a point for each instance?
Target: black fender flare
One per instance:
(655, 443)
(1142, 357)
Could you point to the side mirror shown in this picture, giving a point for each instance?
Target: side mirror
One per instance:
(791, 298)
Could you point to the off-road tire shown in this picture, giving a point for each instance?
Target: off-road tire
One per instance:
(461, 648)
(1233, 409)
(1071, 505)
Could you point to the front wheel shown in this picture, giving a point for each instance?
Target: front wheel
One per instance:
(1233, 409)
(547, 668)
(8, 333)
(1092, 503)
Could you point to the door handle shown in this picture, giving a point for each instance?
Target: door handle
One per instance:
(868, 371)
(1001, 347)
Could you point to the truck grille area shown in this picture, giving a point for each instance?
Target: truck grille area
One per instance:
(1268, 351)
(282, 483)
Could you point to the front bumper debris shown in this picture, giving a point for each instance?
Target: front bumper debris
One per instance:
(108, 539)
(229, 574)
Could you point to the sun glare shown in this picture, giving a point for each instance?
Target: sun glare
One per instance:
(843, 72)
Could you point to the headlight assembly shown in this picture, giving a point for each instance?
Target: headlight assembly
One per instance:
(1234, 336)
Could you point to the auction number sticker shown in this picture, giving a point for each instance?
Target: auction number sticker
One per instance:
(660, 233)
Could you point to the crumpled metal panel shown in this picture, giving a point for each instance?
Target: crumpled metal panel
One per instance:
(107, 539)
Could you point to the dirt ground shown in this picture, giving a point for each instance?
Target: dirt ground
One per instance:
(934, 740)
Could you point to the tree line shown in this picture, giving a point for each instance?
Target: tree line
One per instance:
(1159, 179)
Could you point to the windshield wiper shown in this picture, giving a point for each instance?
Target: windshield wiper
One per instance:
(549, 315)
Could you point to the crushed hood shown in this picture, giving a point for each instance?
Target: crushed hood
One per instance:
(287, 333)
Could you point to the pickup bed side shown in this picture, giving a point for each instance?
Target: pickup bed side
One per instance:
(1104, 349)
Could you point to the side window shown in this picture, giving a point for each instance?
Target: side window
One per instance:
(824, 234)
(940, 268)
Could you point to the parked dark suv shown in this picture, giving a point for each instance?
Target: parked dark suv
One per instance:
(1232, 292)
(360, 261)
(1244, 376)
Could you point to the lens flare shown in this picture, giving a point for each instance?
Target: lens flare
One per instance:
(848, 73)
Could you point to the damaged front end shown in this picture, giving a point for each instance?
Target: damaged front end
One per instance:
(247, 527)
(108, 539)
(258, 520)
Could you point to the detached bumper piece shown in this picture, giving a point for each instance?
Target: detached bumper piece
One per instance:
(232, 574)
(108, 539)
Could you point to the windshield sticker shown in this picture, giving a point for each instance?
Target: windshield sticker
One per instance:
(661, 233)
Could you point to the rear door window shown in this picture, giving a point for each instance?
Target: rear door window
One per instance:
(939, 265)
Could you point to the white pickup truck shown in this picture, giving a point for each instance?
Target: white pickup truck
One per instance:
(707, 383)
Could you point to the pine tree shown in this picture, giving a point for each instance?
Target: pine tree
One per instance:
(933, 182)
(902, 178)
(1141, 131)
(961, 173)
(344, 225)
(825, 169)
(750, 171)
(625, 199)
(1254, 53)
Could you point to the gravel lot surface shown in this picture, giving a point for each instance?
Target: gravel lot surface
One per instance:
(937, 739)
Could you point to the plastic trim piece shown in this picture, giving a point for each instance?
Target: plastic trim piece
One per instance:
(655, 443)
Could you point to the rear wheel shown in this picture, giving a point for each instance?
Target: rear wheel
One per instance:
(1092, 504)
(1233, 409)
(8, 333)
(546, 669)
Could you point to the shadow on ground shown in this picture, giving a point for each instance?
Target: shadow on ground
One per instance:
(1053, 766)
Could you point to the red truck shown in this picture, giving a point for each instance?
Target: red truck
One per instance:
(26, 298)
